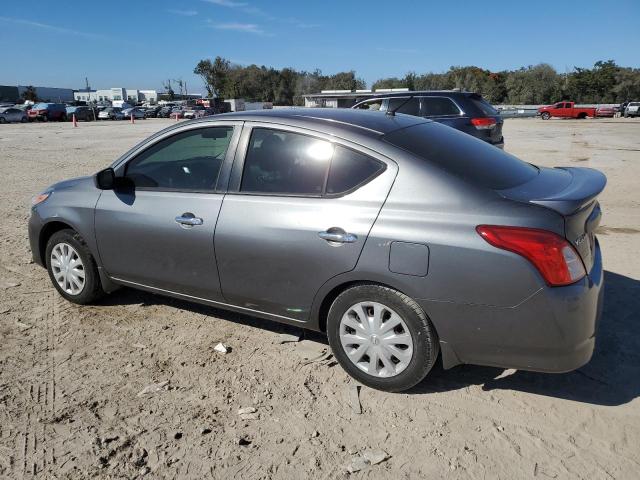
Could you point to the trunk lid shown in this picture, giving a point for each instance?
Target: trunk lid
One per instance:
(571, 192)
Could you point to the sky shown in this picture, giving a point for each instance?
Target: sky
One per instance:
(140, 43)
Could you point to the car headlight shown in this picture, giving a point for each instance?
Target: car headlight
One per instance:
(41, 197)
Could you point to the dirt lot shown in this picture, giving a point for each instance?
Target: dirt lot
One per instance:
(71, 378)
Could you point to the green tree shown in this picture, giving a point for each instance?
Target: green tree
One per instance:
(214, 74)
(30, 94)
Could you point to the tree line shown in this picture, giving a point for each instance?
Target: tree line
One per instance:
(606, 82)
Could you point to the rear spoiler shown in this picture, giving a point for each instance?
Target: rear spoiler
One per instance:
(563, 193)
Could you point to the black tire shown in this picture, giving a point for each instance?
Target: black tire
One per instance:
(3, 120)
(545, 116)
(24, 120)
(92, 289)
(45, 118)
(425, 341)
(63, 118)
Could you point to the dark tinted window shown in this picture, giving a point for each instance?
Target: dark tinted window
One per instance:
(375, 104)
(349, 169)
(436, 106)
(186, 161)
(483, 105)
(464, 156)
(409, 106)
(285, 163)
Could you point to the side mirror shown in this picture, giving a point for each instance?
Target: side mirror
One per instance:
(105, 179)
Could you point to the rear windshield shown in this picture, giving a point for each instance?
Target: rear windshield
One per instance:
(471, 159)
(483, 105)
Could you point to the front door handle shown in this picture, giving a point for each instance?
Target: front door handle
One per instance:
(189, 219)
(338, 236)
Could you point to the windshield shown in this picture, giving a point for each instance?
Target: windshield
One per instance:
(40, 106)
(462, 155)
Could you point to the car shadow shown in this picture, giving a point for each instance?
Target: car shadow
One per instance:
(129, 296)
(612, 377)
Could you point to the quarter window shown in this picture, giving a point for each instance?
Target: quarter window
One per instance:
(350, 169)
(439, 106)
(186, 161)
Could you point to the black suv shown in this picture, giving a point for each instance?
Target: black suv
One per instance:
(464, 111)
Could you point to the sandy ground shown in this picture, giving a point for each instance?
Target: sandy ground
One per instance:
(71, 378)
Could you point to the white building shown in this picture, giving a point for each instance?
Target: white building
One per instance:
(117, 95)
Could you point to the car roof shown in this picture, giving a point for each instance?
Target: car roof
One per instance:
(422, 93)
(362, 121)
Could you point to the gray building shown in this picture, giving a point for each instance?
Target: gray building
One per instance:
(343, 98)
(117, 94)
(11, 93)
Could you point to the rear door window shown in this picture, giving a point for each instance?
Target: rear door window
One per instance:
(439, 106)
(287, 163)
(408, 106)
(279, 162)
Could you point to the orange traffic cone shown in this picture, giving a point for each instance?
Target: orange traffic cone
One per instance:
(75, 122)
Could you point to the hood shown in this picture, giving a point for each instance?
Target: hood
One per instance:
(77, 183)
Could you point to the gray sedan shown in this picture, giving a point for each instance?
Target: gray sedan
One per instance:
(8, 115)
(400, 238)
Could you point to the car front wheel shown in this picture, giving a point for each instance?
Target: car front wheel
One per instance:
(381, 337)
(546, 115)
(72, 268)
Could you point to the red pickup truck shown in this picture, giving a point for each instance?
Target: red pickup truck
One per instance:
(565, 110)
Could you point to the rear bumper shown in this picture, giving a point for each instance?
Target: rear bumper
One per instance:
(551, 331)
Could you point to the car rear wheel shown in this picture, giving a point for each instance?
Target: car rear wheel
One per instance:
(545, 115)
(3, 120)
(24, 120)
(72, 268)
(381, 337)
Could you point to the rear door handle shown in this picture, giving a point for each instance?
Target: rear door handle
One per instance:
(189, 219)
(338, 236)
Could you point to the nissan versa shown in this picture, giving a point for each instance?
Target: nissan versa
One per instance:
(399, 237)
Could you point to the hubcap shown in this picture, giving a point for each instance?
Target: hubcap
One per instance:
(67, 268)
(376, 339)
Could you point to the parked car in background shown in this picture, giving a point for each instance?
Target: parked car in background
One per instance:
(48, 111)
(196, 111)
(81, 113)
(402, 238)
(152, 112)
(605, 112)
(632, 110)
(165, 111)
(137, 112)
(464, 111)
(13, 114)
(176, 112)
(111, 113)
(566, 110)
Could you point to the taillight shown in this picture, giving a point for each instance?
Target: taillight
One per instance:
(484, 123)
(553, 256)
